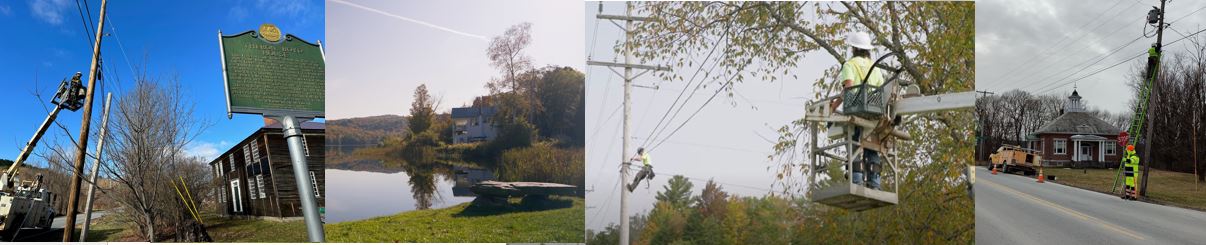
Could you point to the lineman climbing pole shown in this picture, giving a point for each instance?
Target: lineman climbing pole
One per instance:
(1156, 16)
(73, 198)
(628, 77)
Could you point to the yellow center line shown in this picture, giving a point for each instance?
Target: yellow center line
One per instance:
(1068, 211)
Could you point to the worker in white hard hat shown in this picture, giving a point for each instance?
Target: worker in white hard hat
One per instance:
(853, 71)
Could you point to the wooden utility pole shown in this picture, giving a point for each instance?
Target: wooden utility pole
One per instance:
(1147, 148)
(628, 77)
(86, 119)
(980, 141)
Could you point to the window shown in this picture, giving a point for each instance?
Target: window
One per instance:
(255, 150)
(259, 182)
(232, 165)
(1110, 147)
(251, 188)
(305, 145)
(222, 196)
(314, 182)
(247, 154)
(1061, 146)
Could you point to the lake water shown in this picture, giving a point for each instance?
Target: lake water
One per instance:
(372, 188)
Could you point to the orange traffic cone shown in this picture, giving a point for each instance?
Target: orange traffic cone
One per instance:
(994, 169)
(1040, 176)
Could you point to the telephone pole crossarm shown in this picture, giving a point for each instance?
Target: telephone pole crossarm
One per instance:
(622, 65)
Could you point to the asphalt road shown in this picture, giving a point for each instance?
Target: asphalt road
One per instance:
(55, 233)
(1013, 209)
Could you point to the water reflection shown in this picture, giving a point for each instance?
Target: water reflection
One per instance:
(422, 184)
(466, 177)
(366, 188)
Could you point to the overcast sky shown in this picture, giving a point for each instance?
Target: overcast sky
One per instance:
(1033, 45)
(379, 51)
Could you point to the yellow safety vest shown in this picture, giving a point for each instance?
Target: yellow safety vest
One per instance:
(855, 70)
(646, 160)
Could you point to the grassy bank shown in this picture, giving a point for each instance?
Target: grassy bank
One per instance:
(1165, 187)
(463, 224)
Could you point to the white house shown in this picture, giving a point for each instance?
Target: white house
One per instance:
(474, 124)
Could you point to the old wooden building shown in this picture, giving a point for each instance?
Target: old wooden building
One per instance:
(257, 177)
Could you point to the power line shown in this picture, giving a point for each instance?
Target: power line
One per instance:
(1084, 67)
(1127, 60)
(680, 93)
(657, 133)
(706, 180)
(606, 204)
(693, 114)
(1034, 82)
(85, 23)
(1098, 60)
(715, 146)
(1056, 47)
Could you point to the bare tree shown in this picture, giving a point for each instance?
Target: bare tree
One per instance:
(506, 53)
(152, 124)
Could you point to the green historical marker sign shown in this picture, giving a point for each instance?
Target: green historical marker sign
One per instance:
(272, 74)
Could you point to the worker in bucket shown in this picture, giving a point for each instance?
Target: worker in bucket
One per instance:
(1130, 168)
(853, 71)
(646, 170)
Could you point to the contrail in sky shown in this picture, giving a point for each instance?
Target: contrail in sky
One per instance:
(483, 38)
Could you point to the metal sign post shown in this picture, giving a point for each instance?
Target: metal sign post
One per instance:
(301, 173)
(100, 145)
(281, 77)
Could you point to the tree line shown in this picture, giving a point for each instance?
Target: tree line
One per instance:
(1008, 118)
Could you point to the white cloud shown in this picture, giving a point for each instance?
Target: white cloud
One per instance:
(205, 150)
(50, 11)
(291, 8)
(420, 22)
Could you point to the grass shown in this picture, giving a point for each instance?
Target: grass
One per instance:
(462, 223)
(229, 229)
(109, 228)
(1165, 187)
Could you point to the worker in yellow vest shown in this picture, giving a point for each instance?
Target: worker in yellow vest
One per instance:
(1130, 169)
(646, 169)
(853, 71)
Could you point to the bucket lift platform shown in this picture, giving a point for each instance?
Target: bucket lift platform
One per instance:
(854, 197)
(876, 112)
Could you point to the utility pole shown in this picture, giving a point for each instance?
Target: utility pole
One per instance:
(980, 129)
(1147, 148)
(82, 149)
(628, 77)
(100, 146)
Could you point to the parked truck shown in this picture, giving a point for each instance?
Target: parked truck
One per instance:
(1015, 159)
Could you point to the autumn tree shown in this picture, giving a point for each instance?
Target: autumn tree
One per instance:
(766, 42)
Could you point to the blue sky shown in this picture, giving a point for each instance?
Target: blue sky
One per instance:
(45, 41)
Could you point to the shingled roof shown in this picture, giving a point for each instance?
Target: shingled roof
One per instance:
(1078, 123)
